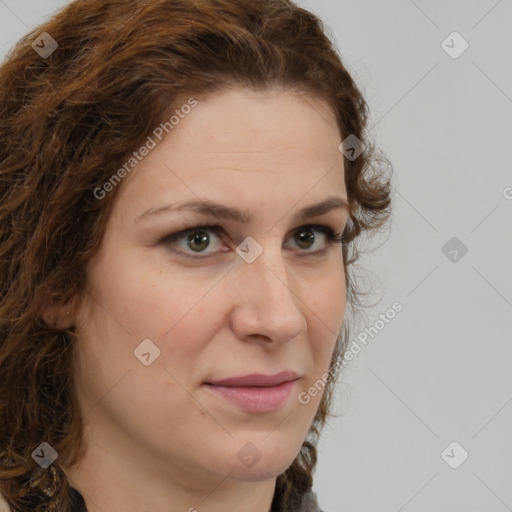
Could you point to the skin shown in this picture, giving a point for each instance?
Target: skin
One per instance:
(156, 438)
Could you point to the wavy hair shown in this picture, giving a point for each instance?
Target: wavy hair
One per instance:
(71, 118)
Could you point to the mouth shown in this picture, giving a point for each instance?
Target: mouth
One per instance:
(256, 393)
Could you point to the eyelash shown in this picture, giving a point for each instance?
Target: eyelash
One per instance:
(332, 238)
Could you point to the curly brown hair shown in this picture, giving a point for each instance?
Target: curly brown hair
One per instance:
(68, 120)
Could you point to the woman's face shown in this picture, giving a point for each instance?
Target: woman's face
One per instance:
(164, 319)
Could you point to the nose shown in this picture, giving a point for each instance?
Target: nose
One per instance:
(267, 307)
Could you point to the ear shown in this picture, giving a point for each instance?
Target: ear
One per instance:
(58, 316)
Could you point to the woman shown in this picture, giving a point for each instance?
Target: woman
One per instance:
(182, 186)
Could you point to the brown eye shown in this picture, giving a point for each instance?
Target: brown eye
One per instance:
(198, 241)
(193, 242)
(305, 238)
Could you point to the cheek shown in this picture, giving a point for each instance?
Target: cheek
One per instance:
(182, 309)
(325, 319)
(132, 303)
(149, 301)
(328, 301)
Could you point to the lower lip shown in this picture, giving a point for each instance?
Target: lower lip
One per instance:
(256, 399)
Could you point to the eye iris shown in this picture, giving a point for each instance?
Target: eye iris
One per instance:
(201, 239)
(309, 237)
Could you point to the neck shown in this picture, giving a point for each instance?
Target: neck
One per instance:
(113, 482)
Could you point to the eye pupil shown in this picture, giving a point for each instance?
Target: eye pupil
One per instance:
(201, 239)
(310, 237)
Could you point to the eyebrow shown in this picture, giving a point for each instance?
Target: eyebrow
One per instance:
(207, 207)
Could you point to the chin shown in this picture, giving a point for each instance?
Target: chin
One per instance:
(260, 472)
(260, 461)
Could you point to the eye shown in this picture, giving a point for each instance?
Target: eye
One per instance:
(197, 240)
(306, 238)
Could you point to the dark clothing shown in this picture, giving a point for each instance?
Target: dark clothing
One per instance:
(77, 502)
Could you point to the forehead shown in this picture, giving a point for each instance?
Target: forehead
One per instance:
(274, 122)
(244, 145)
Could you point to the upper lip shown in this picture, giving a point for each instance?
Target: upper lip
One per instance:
(256, 379)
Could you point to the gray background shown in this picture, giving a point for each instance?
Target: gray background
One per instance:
(440, 371)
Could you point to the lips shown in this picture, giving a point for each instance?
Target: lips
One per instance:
(256, 379)
(255, 393)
